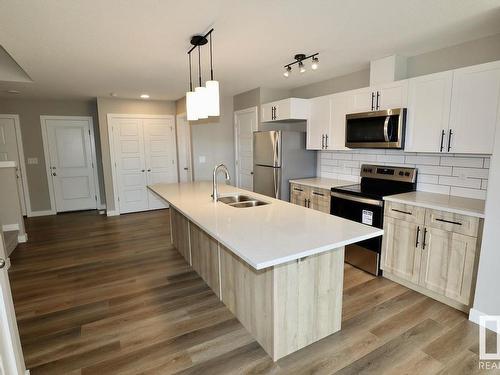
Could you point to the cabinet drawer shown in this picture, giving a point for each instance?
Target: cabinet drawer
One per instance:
(411, 214)
(462, 224)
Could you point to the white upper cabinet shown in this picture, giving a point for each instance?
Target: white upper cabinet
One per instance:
(291, 109)
(319, 123)
(387, 96)
(339, 108)
(474, 109)
(428, 114)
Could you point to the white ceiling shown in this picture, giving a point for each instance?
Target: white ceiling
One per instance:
(91, 48)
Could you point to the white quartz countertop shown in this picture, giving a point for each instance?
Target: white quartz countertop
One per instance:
(450, 203)
(322, 183)
(267, 235)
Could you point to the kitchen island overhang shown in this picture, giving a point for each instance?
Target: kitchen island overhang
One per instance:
(278, 267)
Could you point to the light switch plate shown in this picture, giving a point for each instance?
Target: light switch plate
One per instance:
(33, 161)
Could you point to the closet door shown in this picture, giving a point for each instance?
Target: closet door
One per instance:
(160, 155)
(130, 164)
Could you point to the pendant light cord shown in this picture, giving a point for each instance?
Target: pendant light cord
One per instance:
(190, 76)
(211, 64)
(199, 64)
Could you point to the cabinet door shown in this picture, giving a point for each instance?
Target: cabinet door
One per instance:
(361, 100)
(299, 194)
(428, 117)
(393, 95)
(474, 108)
(401, 252)
(318, 125)
(339, 108)
(267, 112)
(448, 264)
(282, 110)
(320, 200)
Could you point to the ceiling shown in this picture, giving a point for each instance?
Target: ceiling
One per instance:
(82, 49)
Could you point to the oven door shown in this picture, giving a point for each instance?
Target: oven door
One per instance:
(379, 129)
(365, 254)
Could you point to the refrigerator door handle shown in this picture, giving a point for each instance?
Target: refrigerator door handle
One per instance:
(276, 150)
(275, 182)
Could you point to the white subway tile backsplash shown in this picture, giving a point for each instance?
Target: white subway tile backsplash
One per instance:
(455, 161)
(468, 193)
(473, 183)
(470, 172)
(462, 175)
(432, 188)
(423, 159)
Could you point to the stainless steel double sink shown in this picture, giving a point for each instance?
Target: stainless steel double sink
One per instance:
(241, 201)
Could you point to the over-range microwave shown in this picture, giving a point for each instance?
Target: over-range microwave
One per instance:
(376, 129)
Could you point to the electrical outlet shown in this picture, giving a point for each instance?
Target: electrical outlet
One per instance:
(33, 161)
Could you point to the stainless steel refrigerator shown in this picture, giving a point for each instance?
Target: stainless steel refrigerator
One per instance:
(280, 156)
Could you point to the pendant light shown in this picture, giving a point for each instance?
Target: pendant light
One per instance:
(191, 104)
(201, 93)
(212, 86)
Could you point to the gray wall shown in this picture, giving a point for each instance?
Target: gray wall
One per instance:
(123, 106)
(29, 111)
(469, 53)
(213, 139)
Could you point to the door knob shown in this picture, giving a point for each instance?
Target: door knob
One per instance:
(149, 170)
(143, 170)
(2, 263)
(54, 174)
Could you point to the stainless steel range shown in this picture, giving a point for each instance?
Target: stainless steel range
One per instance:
(364, 203)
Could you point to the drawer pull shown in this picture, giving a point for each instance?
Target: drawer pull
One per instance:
(297, 189)
(449, 221)
(402, 212)
(418, 235)
(320, 194)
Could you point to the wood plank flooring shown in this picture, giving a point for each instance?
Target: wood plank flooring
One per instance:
(110, 295)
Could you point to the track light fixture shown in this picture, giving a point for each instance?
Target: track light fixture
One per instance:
(299, 60)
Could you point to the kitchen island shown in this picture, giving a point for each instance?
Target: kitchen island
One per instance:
(278, 267)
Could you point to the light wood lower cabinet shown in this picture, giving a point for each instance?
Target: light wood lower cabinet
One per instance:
(432, 251)
(205, 257)
(310, 197)
(285, 307)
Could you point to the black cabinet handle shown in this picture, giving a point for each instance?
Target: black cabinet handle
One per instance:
(401, 212)
(418, 235)
(308, 203)
(378, 96)
(326, 141)
(449, 221)
(449, 140)
(373, 98)
(305, 202)
(320, 194)
(425, 235)
(297, 189)
(323, 142)
(442, 141)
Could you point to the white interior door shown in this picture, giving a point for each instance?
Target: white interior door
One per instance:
(245, 124)
(10, 138)
(11, 355)
(160, 155)
(70, 163)
(184, 149)
(130, 164)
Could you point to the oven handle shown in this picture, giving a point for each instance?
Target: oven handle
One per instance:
(372, 202)
(386, 128)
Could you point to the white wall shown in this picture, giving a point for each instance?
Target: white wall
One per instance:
(487, 299)
(214, 141)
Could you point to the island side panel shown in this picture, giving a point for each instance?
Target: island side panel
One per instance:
(307, 300)
(180, 233)
(248, 293)
(205, 257)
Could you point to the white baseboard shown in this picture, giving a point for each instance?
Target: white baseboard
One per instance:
(22, 238)
(474, 316)
(112, 213)
(10, 227)
(102, 206)
(41, 213)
